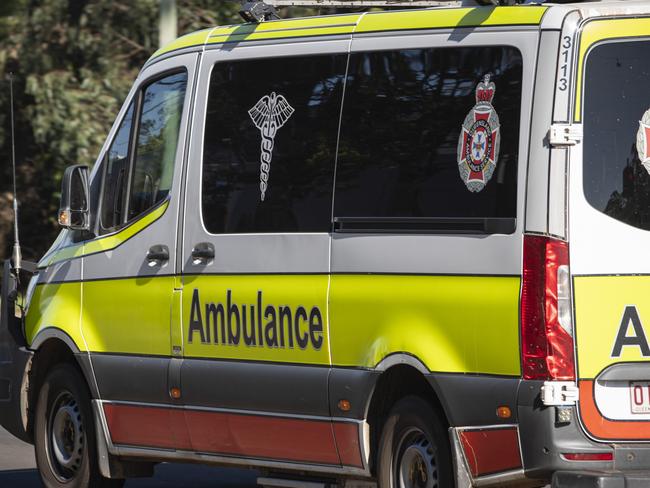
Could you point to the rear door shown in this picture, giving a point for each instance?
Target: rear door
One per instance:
(610, 228)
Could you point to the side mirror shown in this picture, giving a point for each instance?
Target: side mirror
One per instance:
(73, 211)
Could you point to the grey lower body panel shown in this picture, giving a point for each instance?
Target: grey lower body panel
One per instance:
(13, 393)
(601, 479)
(543, 440)
(472, 400)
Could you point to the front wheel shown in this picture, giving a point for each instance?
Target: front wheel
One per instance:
(64, 433)
(414, 451)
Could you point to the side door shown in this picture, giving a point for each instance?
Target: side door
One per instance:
(609, 224)
(129, 267)
(255, 254)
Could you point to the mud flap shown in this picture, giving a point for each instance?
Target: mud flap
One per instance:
(15, 361)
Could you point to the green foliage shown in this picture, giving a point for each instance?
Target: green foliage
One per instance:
(74, 62)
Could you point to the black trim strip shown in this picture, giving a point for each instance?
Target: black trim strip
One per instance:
(424, 225)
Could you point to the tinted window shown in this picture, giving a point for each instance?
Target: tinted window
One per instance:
(402, 132)
(270, 144)
(116, 175)
(616, 99)
(160, 118)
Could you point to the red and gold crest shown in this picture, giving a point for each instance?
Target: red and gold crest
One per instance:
(478, 144)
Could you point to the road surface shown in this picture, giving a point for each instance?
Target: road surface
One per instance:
(18, 469)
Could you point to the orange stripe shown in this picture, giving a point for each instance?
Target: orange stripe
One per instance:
(491, 451)
(255, 436)
(602, 428)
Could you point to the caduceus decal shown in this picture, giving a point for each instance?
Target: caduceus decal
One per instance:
(269, 115)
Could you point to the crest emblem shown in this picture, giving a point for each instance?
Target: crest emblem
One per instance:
(642, 138)
(269, 114)
(479, 141)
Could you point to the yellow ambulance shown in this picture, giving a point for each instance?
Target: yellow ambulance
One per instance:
(401, 248)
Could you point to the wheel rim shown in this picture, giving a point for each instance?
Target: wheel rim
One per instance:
(65, 437)
(415, 464)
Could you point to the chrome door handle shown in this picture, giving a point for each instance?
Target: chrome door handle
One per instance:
(157, 255)
(203, 253)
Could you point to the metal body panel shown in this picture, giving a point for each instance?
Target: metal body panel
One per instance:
(265, 387)
(537, 193)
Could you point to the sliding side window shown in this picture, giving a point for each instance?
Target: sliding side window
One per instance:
(429, 141)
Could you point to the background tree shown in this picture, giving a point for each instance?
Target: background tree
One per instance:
(74, 62)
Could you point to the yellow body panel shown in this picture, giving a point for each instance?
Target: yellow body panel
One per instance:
(457, 324)
(439, 18)
(600, 302)
(56, 306)
(130, 316)
(602, 30)
(450, 18)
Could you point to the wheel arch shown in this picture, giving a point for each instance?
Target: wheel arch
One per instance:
(53, 346)
(401, 375)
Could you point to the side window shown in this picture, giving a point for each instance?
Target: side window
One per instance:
(616, 164)
(270, 144)
(116, 174)
(430, 138)
(139, 164)
(157, 141)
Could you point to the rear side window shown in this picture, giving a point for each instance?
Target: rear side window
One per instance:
(270, 144)
(414, 152)
(616, 165)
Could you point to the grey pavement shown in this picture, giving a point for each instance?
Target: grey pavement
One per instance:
(18, 469)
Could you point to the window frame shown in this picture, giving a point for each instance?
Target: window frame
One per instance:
(137, 101)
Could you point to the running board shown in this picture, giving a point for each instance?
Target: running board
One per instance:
(268, 482)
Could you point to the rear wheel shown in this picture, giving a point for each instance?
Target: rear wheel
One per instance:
(414, 451)
(64, 433)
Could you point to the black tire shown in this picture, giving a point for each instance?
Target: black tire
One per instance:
(69, 457)
(414, 448)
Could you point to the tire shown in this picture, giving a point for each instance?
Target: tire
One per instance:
(64, 433)
(414, 449)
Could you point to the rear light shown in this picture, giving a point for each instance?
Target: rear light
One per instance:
(546, 323)
(588, 456)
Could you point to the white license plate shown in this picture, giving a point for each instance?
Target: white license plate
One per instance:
(640, 396)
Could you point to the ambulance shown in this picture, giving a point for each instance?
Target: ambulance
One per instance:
(392, 248)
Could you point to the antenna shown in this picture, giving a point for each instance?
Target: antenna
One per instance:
(16, 256)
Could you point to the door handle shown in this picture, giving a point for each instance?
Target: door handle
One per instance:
(202, 253)
(157, 255)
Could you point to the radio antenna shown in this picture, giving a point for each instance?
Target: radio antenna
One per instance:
(16, 256)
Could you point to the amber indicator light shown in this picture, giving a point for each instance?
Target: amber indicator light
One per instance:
(504, 412)
(175, 393)
(344, 405)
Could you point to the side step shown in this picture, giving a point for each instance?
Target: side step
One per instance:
(280, 483)
(269, 482)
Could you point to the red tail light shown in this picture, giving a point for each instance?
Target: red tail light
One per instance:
(546, 324)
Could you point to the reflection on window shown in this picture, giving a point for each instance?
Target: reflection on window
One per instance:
(157, 141)
(302, 95)
(116, 175)
(616, 98)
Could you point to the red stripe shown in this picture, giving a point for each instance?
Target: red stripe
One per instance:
(491, 451)
(347, 441)
(256, 436)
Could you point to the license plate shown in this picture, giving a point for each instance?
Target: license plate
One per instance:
(640, 396)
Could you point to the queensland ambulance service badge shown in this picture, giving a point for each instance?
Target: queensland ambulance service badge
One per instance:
(642, 138)
(478, 144)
